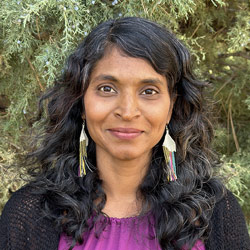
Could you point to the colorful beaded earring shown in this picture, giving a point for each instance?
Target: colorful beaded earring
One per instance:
(82, 152)
(169, 147)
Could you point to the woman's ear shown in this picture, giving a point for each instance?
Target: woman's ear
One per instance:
(169, 115)
(171, 109)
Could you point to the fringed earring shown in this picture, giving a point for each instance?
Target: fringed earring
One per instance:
(169, 147)
(82, 152)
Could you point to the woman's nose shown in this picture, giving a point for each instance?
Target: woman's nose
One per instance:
(128, 107)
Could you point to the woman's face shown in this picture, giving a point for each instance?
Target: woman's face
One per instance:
(127, 106)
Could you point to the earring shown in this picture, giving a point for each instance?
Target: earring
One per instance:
(82, 152)
(169, 147)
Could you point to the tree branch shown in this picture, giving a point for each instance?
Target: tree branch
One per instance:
(36, 75)
(239, 53)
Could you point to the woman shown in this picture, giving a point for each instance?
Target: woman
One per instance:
(129, 103)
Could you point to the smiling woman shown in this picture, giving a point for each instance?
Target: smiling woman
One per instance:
(129, 105)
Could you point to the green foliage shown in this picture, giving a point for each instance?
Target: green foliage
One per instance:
(37, 35)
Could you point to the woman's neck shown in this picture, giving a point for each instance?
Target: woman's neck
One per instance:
(120, 184)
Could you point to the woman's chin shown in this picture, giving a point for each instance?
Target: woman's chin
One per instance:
(129, 155)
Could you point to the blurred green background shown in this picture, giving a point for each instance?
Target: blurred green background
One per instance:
(37, 35)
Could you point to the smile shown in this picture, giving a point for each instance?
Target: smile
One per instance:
(125, 133)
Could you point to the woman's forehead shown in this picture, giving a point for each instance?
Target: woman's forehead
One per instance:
(119, 65)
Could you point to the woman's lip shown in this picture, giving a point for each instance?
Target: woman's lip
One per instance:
(125, 133)
(126, 130)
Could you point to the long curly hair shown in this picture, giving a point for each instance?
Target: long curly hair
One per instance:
(182, 208)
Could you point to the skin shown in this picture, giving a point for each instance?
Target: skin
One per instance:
(125, 92)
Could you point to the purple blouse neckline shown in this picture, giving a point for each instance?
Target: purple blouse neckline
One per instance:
(128, 233)
(125, 219)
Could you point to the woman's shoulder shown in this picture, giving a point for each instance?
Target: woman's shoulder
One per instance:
(22, 221)
(21, 211)
(228, 204)
(228, 210)
(23, 201)
(228, 225)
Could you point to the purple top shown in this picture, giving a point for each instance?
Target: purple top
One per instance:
(133, 233)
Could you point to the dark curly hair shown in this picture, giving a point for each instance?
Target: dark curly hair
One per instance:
(182, 208)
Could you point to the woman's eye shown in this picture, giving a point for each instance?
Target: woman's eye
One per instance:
(149, 92)
(107, 89)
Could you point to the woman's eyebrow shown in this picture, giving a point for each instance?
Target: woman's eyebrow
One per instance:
(152, 81)
(103, 77)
